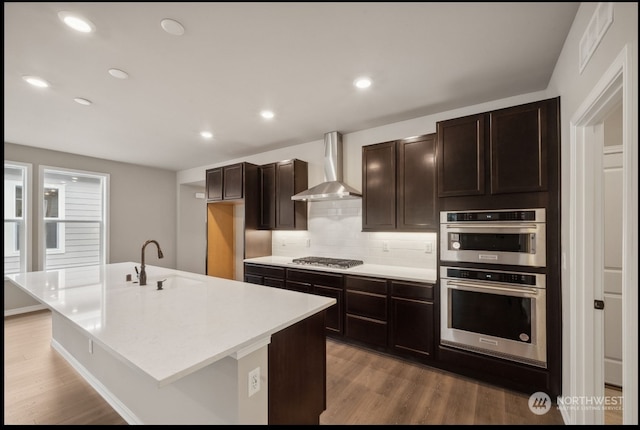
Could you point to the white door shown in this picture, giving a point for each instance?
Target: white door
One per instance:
(612, 270)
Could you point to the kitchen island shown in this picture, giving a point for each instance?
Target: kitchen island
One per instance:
(201, 350)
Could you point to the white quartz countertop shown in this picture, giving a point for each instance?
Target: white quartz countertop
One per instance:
(192, 322)
(377, 270)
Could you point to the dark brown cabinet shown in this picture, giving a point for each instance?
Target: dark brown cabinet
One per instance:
(388, 315)
(271, 276)
(399, 185)
(278, 182)
(412, 314)
(366, 310)
(461, 156)
(226, 183)
(322, 284)
(214, 184)
(267, 177)
(498, 152)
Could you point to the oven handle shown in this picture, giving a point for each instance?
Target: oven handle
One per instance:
(479, 286)
(471, 226)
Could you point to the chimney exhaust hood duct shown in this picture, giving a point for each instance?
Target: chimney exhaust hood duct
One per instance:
(332, 188)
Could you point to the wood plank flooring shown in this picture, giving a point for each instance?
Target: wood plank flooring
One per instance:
(363, 387)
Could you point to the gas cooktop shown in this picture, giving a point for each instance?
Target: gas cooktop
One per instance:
(338, 263)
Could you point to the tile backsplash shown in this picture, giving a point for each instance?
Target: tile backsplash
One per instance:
(335, 230)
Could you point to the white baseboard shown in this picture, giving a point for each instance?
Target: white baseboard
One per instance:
(23, 310)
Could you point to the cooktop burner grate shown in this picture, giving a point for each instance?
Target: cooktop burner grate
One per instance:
(339, 263)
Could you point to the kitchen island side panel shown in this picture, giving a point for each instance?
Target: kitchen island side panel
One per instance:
(215, 394)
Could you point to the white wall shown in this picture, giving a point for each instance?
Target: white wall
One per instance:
(192, 229)
(142, 205)
(573, 88)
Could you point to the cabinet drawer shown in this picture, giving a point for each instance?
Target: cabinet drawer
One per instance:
(303, 287)
(370, 285)
(253, 279)
(367, 305)
(412, 290)
(273, 282)
(270, 271)
(315, 278)
(367, 330)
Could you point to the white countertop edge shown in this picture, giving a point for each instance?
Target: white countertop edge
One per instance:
(251, 348)
(401, 273)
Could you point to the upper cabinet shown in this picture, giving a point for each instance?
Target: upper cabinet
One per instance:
(498, 152)
(278, 183)
(227, 182)
(399, 185)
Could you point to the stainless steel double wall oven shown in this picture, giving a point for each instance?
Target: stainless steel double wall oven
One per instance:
(492, 311)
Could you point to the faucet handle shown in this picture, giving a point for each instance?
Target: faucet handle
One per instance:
(159, 284)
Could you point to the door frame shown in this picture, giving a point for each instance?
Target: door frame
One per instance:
(586, 325)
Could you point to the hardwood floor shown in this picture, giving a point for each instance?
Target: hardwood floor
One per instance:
(363, 387)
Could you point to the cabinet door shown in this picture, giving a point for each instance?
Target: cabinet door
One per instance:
(416, 184)
(461, 156)
(518, 146)
(267, 196)
(333, 319)
(379, 187)
(214, 184)
(412, 326)
(291, 178)
(233, 182)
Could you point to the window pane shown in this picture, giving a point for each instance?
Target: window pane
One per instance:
(51, 232)
(19, 201)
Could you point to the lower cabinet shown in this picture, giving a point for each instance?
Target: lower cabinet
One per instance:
(322, 284)
(366, 310)
(385, 314)
(412, 313)
(260, 274)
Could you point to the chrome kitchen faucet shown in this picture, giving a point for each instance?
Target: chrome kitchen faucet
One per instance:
(143, 272)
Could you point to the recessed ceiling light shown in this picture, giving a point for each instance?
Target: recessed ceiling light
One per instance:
(36, 81)
(206, 134)
(82, 101)
(117, 73)
(267, 114)
(76, 22)
(363, 82)
(172, 27)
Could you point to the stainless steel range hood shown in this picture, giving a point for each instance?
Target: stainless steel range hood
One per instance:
(332, 188)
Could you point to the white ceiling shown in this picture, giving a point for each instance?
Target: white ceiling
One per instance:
(236, 59)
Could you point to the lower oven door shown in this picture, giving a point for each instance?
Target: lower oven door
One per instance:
(497, 320)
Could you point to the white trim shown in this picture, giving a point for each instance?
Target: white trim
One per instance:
(586, 358)
(24, 310)
(105, 178)
(27, 214)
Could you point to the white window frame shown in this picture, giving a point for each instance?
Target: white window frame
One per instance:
(26, 260)
(42, 241)
(10, 205)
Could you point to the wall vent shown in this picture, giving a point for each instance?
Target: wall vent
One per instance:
(598, 26)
